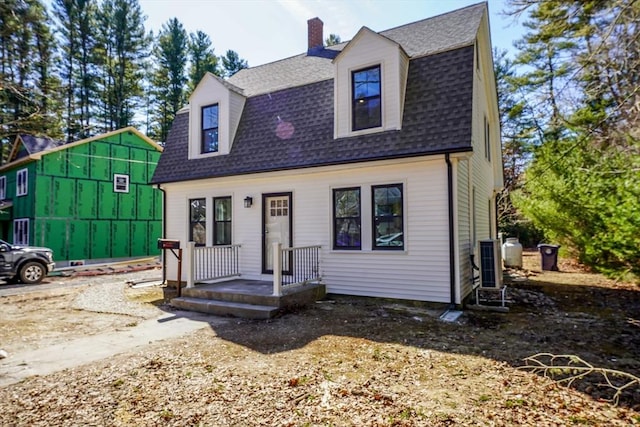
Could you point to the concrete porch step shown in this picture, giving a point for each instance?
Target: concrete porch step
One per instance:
(225, 308)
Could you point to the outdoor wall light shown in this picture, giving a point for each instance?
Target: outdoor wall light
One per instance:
(248, 201)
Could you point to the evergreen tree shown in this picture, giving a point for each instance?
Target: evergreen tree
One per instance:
(333, 39)
(232, 63)
(26, 81)
(124, 49)
(76, 23)
(170, 76)
(584, 182)
(202, 57)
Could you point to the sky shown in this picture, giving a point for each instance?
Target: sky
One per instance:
(263, 31)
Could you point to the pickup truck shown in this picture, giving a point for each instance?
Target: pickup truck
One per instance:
(26, 264)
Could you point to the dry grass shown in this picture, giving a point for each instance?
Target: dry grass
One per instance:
(363, 362)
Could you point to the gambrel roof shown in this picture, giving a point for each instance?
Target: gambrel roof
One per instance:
(297, 95)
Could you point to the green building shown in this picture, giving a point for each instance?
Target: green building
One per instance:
(89, 200)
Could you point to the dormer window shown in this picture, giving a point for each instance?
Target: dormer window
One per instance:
(210, 129)
(366, 98)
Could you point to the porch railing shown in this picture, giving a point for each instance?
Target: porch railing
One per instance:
(295, 266)
(212, 262)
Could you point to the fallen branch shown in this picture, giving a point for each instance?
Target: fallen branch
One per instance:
(571, 368)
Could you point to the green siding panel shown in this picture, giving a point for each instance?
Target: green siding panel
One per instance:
(106, 201)
(155, 233)
(79, 240)
(154, 156)
(100, 162)
(55, 164)
(144, 197)
(57, 240)
(100, 239)
(45, 196)
(138, 166)
(120, 157)
(87, 199)
(127, 203)
(120, 239)
(139, 238)
(78, 166)
(64, 204)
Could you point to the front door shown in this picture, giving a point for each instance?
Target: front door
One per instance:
(276, 213)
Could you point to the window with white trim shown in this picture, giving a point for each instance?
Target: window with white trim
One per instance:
(222, 220)
(22, 182)
(198, 221)
(21, 231)
(366, 98)
(347, 218)
(3, 187)
(120, 183)
(388, 217)
(210, 129)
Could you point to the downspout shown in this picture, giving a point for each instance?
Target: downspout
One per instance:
(164, 233)
(452, 269)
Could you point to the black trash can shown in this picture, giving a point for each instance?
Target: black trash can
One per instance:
(549, 256)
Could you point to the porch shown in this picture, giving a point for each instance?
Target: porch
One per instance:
(215, 284)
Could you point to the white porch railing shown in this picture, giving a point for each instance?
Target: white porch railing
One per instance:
(212, 262)
(294, 266)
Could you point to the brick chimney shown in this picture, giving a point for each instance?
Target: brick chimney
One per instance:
(315, 37)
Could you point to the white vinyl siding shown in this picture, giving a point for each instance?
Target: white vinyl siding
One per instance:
(419, 272)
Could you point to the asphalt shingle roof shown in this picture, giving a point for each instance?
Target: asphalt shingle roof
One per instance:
(36, 144)
(426, 37)
(288, 118)
(437, 119)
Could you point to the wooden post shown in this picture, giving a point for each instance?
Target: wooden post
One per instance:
(277, 269)
(191, 246)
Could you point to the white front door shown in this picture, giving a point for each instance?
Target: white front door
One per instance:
(277, 226)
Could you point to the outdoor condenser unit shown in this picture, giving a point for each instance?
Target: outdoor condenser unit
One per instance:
(490, 263)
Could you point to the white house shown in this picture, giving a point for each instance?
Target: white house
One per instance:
(384, 151)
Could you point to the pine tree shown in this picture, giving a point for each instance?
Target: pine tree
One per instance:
(170, 78)
(232, 63)
(202, 57)
(124, 49)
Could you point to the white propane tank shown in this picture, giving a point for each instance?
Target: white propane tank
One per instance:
(512, 253)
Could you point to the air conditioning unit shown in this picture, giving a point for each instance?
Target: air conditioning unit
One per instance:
(490, 263)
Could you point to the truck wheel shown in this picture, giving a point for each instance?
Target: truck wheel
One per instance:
(32, 272)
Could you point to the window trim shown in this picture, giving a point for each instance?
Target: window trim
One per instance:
(216, 221)
(374, 246)
(3, 187)
(203, 130)
(115, 183)
(335, 219)
(24, 228)
(22, 184)
(192, 223)
(354, 101)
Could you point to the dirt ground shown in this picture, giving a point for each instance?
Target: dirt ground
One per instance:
(347, 361)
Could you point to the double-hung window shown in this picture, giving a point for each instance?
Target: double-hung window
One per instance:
(198, 221)
(346, 218)
(222, 220)
(21, 231)
(3, 187)
(210, 129)
(22, 182)
(387, 207)
(366, 98)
